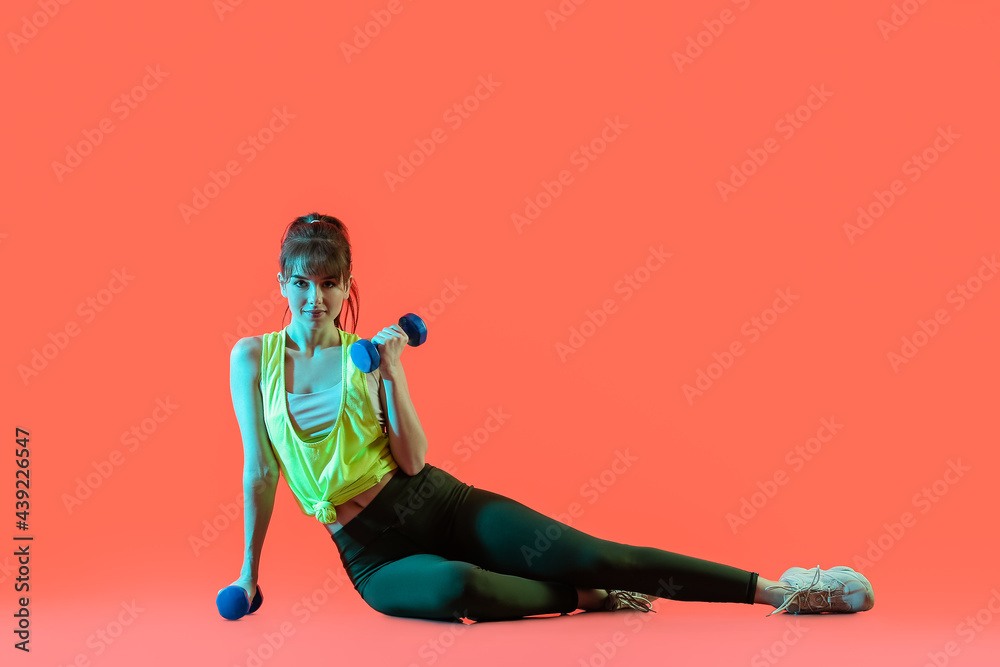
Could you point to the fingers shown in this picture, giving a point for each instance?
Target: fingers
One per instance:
(387, 333)
(251, 592)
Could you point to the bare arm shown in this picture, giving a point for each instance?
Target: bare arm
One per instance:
(406, 436)
(260, 466)
(258, 503)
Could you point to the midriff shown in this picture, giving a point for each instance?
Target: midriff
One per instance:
(350, 508)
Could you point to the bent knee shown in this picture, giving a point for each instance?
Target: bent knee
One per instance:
(451, 592)
(472, 589)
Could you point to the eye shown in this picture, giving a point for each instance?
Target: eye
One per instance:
(329, 283)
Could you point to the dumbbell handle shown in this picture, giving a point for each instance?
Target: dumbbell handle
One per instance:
(365, 354)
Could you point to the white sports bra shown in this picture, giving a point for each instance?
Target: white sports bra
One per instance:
(313, 414)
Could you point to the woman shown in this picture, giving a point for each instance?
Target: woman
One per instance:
(414, 540)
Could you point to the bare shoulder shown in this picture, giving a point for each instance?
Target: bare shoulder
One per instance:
(246, 354)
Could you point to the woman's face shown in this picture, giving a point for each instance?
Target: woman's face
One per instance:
(315, 300)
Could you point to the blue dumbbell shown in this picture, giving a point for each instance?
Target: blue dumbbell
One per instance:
(234, 604)
(365, 355)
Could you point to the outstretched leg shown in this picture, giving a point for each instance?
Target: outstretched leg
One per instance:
(507, 537)
(431, 546)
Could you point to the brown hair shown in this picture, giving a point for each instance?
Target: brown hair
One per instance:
(317, 244)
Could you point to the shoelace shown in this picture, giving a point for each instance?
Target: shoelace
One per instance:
(626, 600)
(801, 593)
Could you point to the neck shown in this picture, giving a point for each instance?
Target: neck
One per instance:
(310, 341)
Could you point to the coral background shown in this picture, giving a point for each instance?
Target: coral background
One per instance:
(156, 153)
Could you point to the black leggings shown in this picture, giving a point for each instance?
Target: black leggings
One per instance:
(430, 546)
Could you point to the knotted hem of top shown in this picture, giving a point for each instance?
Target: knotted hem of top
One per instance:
(326, 512)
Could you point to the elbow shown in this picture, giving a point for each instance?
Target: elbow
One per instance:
(412, 469)
(416, 467)
(412, 465)
(408, 456)
(263, 481)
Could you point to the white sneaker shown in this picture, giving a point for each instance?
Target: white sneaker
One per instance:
(627, 600)
(839, 589)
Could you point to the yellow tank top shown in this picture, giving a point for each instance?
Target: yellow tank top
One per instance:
(329, 469)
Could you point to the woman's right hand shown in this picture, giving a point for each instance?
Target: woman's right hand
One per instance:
(248, 584)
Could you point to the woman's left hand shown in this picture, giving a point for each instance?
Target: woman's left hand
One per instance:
(391, 341)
